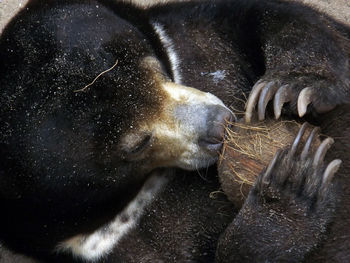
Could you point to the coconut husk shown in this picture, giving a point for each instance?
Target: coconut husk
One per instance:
(248, 149)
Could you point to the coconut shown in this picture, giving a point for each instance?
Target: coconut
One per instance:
(248, 149)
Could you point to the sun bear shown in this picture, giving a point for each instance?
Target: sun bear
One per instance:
(104, 105)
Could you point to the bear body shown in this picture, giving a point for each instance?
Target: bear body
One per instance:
(96, 114)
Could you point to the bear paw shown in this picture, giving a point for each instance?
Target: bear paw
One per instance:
(303, 94)
(297, 182)
(287, 211)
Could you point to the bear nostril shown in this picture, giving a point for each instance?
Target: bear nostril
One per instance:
(217, 126)
(217, 121)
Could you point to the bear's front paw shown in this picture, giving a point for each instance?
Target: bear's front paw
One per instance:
(297, 183)
(288, 209)
(304, 94)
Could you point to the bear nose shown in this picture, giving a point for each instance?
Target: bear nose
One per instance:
(217, 121)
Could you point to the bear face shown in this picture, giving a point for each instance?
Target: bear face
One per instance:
(89, 113)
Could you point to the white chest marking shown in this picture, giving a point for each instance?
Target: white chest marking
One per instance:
(93, 246)
(169, 47)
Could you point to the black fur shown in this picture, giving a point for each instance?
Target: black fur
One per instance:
(48, 182)
(252, 40)
(55, 184)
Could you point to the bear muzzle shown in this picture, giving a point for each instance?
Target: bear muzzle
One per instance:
(217, 119)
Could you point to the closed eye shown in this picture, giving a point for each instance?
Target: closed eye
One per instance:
(140, 147)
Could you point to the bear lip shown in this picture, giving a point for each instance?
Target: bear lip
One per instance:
(211, 144)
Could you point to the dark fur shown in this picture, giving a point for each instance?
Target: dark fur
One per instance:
(32, 179)
(294, 217)
(44, 202)
(251, 40)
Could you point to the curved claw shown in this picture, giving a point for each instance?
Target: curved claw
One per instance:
(265, 96)
(267, 174)
(297, 139)
(330, 171)
(282, 96)
(306, 148)
(304, 99)
(321, 152)
(253, 98)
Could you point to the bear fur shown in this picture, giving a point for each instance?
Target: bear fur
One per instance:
(96, 113)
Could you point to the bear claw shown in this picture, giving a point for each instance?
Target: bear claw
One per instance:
(297, 140)
(252, 100)
(264, 91)
(330, 171)
(321, 152)
(304, 99)
(266, 94)
(303, 170)
(291, 201)
(266, 177)
(308, 143)
(282, 96)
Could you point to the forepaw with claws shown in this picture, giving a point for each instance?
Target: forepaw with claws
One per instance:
(302, 94)
(287, 211)
(298, 173)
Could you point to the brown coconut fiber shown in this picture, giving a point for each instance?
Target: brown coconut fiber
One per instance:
(248, 149)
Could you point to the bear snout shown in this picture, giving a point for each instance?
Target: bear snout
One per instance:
(217, 119)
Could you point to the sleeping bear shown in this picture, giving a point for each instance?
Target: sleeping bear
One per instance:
(107, 108)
